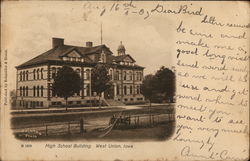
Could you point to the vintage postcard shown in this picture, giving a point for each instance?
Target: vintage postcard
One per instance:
(125, 80)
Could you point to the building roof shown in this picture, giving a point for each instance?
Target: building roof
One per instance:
(56, 54)
(122, 57)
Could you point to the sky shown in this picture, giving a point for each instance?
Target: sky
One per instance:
(29, 28)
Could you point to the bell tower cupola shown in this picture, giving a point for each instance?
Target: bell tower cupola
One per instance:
(121, 49)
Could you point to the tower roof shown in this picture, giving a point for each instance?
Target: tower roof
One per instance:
(121, 46)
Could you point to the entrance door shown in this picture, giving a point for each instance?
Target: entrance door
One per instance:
(109, 93)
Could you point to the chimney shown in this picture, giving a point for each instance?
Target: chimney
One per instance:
(89, 44)
(57, 42)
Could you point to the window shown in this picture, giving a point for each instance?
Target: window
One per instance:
(130, 76)
(124, 75)
(34, 91)
(37, 90)
(53, 93)
(27, 91)
(111, 74)
(118, 90)
(87, 74)
(38, 76)
(21, 88)
(21, 76)
(82, 60)
(53, 72)
(24, 92)
(131, 89)
(138, 90)
(102, 57)
(42, 73)
(27, 75)
(117, 75)
(57, 70)
(78, 102)
(88, 90)
(120, 76)
(125, 90)
(78, 72)
(41, 104)
(137, 75)
(42, 91)
(34, 74)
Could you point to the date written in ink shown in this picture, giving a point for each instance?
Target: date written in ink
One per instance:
(26, 145)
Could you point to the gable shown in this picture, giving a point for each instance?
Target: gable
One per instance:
(128, 59)
(74, 54)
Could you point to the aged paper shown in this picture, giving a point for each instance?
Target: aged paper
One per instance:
(206, 45)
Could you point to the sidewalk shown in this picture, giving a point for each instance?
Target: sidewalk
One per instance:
(75, 110)
(70, 110)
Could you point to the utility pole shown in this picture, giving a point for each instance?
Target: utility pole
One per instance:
(101, 33)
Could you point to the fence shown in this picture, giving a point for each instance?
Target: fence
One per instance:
(51, 129)
(134, 121)
(78, 127)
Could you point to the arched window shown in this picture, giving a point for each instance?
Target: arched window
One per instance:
(117, 75)
(24, 75)
(137, 76)
(57, 70)
(130, 75)
(118, 90)
(21, 91)
(27, 91)
(34, 91)
(53, 72)
(88, 89)
(78, 72)
(125, 90)
(53, 93)
(131, 89)
(42, 73)
(42, 91)
(24, 91)
(21, 76)
(38, 74)
(111, 74)
(124, 75)
(34, 74)
(27, 75)
(87, 74)
(37, 89)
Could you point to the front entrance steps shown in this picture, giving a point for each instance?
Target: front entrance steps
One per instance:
(111, 102)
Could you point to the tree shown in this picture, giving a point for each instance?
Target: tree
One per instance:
(100, 80)
(165, 80)
(66, 83)
(13, 98)
(148, 87)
